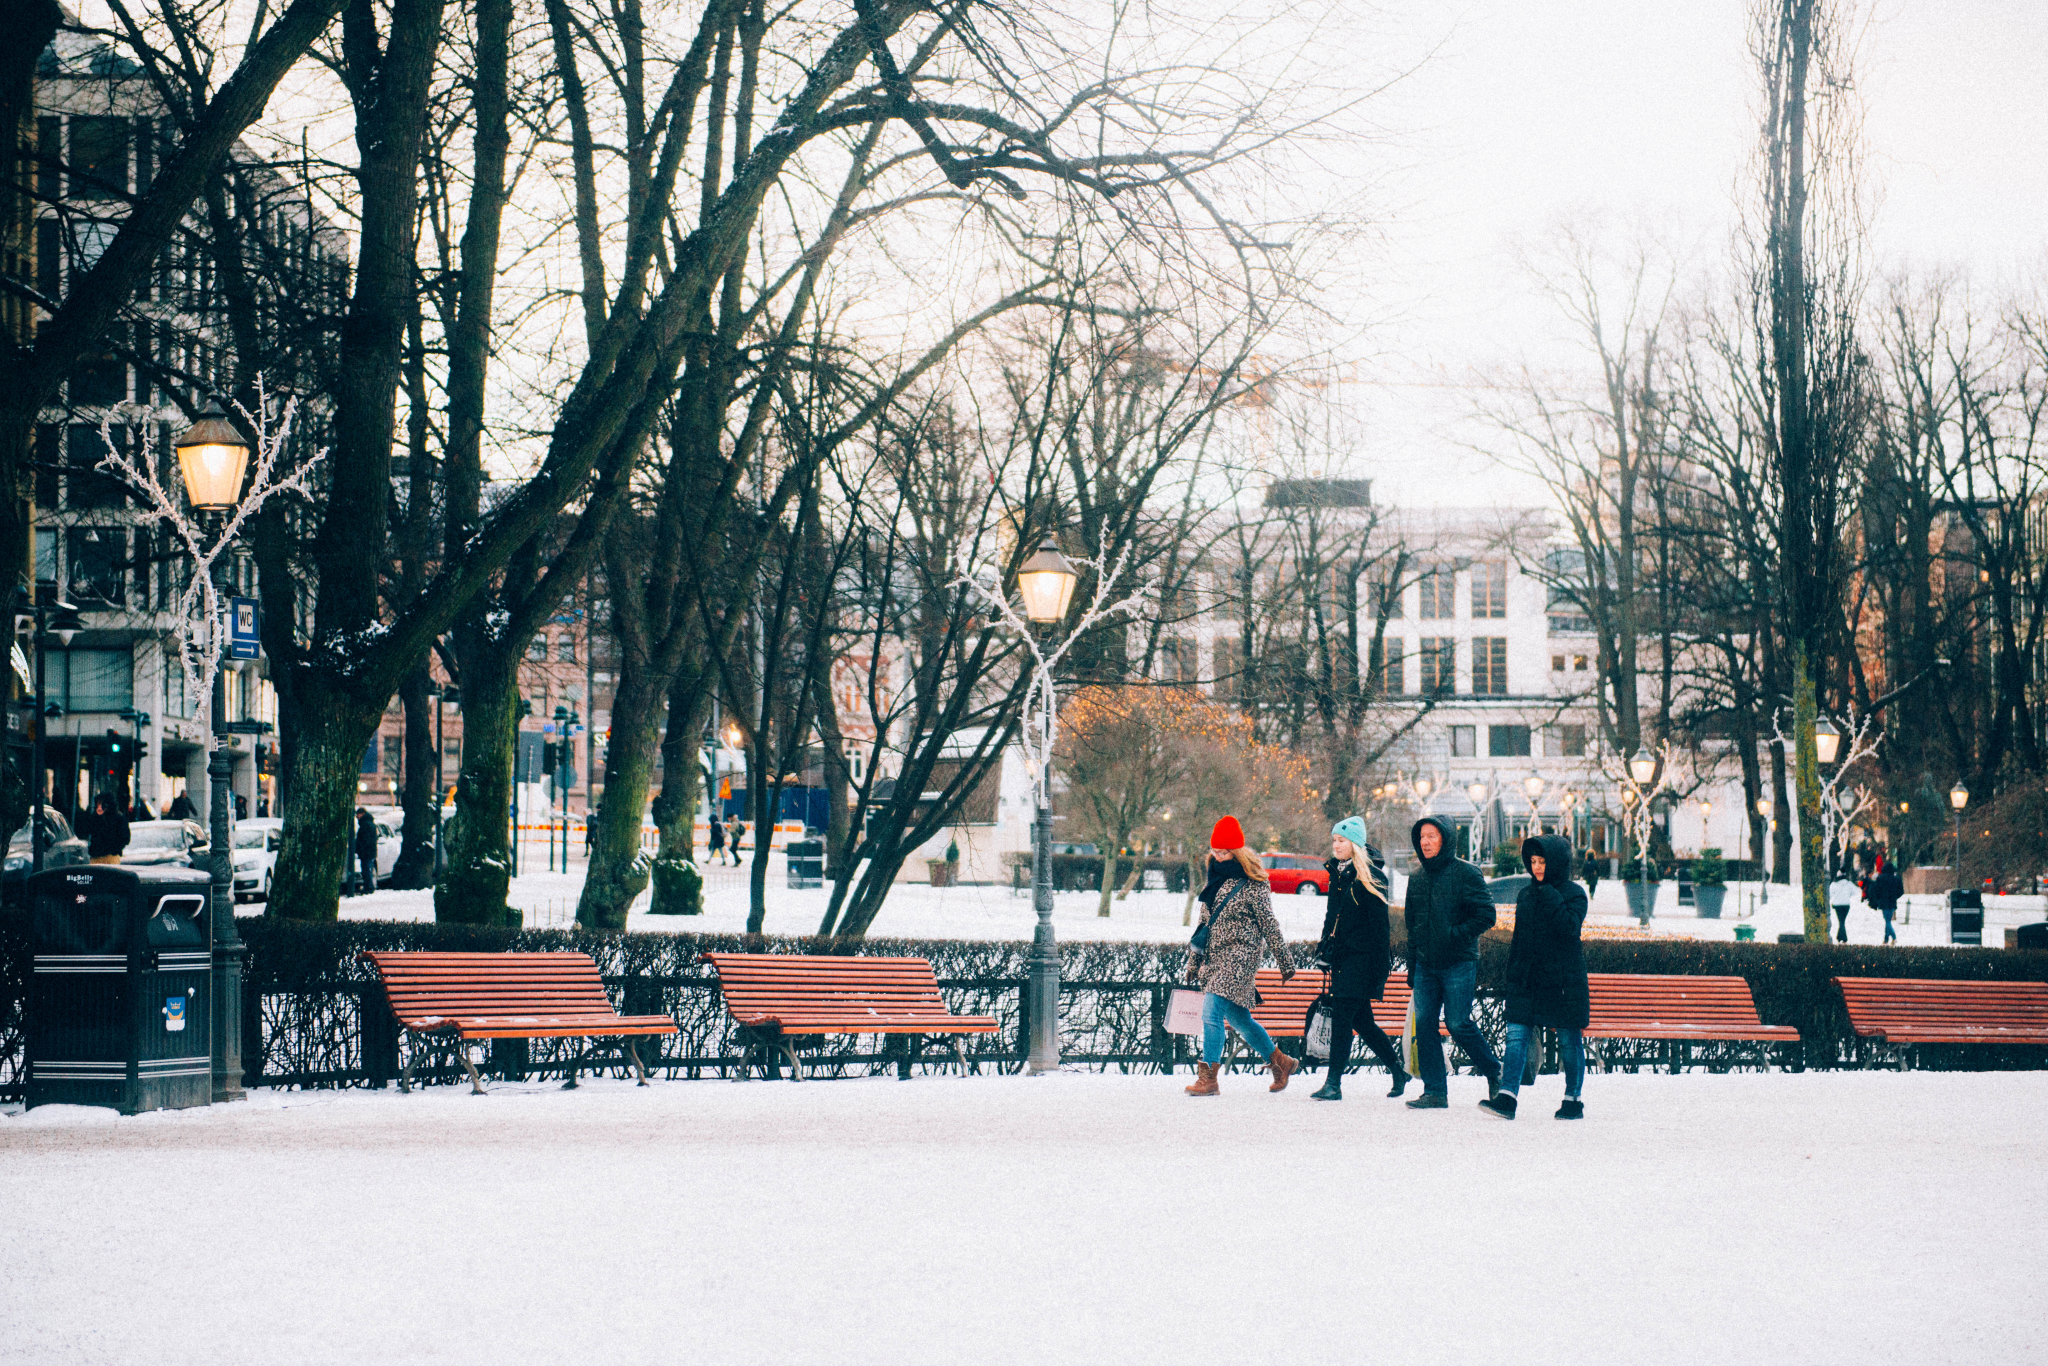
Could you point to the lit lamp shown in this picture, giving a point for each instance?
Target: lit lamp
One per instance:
(1532, 788)
(213, 457)
(1423, 787)
(1958, 798)
(1643, 767)
(1827, 740)
(1046, 582)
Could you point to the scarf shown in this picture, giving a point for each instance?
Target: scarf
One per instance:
(1219, 875)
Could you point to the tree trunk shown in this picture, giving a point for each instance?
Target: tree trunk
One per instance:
(333, 732)
(471, 891)
(1108, 887)
(420, 798)
(1813, 869)
(618, 873)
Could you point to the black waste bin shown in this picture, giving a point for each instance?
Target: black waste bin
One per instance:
(118, 1001)
(806, 863)
(2032, 936)
(1965, 916)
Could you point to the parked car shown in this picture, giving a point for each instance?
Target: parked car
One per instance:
(1297, 875)
(159, 842)
(256, 845)
(390, 822)
(61, 849)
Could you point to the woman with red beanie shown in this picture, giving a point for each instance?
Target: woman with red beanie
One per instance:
(1237, 928)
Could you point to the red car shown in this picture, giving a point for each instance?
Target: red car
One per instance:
(1297, 874)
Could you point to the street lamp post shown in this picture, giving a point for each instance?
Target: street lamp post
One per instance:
(1642, 771)
(54, 618)
(1477, 792)
(1958, 798)
(212, 456)
(1532, 788)
(1046, 583)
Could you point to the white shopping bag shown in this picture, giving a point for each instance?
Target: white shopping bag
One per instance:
(1315, 1042)
(1184, 1012)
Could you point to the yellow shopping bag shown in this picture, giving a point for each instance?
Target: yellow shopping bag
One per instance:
(1408, 1040)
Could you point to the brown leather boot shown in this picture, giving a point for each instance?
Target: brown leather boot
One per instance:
(1205, 1081)
(1283, 1068)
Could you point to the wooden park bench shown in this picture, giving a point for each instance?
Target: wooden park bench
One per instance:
(1283, 1006)
(775, 998)
(1907, 1011)
(1678, 1009)
(506, 996)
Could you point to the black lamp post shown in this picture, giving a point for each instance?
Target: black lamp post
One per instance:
(1959, 797)
(212, 455)
(1046, 583)
(54, 618)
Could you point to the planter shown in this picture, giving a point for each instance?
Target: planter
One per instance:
(941, 872)
(1642, 899)
(1707, 901)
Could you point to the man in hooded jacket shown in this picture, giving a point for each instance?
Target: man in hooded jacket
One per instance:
(1546, 975)
(1448, 909)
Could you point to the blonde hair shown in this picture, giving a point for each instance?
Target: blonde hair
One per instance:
(1249, 861)
(1369, 875)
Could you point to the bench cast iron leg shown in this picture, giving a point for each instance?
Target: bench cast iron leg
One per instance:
(960, 1055)
(575, 1065)
(633, 1052)
(789, 1051)
(476, 1082)
(405, 1072)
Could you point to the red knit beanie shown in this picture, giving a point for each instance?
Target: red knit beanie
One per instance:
(1228, 834)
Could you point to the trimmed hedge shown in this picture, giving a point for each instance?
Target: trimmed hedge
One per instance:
(315, 1023)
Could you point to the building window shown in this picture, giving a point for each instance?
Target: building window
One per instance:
(1386, 597)
(537, 651)
(85, 485)
(565, 649)
(369, 768)
(1490, 665)
(1226, 666)
(1438, 590)
(1464, 742)
(1507, 742)
(1569, 741)
(1439, 665)
(1490, 589)
(1393, 673)
(99, 565)
(1578, 664)
(1557, 664)
(99, 157)
(90, 680)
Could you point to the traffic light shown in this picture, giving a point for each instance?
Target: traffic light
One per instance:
(117, 744)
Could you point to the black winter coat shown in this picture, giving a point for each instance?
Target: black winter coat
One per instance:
(1546, 976)
(1884, 890)
(105, 833)
(1356, 942)
(1448, 906)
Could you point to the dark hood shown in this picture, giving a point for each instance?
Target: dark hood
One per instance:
(1444, 828)
(1556, 852)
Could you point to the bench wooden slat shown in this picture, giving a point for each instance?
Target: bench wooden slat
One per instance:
(504, 995)
(1917, 1010)
(823, 994)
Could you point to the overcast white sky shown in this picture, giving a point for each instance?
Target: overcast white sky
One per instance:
(1535, 110)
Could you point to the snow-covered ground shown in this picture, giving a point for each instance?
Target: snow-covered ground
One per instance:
(917, 911)
(1819, 1218)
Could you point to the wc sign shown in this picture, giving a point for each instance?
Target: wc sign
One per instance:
(243, 640)
(174, 1013)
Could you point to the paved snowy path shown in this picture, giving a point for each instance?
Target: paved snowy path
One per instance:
(1857, 1218)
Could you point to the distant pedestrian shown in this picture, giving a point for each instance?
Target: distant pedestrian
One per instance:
(1448, 909)
(1237, 928)
(1546, 976)
(738, 833)
(717, 839)
(1842, 894)
(104, 829)
(181, 809)
(1592, 875)
(366, 852)
(1357, 947)
(1882, 891)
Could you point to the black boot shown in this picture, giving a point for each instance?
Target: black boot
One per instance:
(1401, 1080)
(1571, 1109)
(1332, 1089)
(1504, 1106)
(1493, 1086)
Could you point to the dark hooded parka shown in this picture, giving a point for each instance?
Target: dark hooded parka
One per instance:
(1546, 976)
(1448, 906)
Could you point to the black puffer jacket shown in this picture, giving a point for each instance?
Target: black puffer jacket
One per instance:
(1448, 906)
(1356, 943)
(1546, 976)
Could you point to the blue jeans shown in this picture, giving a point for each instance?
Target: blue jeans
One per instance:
(1447, 993)
(1571, 1047)
(1889, 933)
(1218, 1011)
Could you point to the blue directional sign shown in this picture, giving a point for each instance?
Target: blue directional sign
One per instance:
(242, 633)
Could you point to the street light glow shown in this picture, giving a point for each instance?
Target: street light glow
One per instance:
(1827, 739)
(1046, 582)
(1643, 767)
(1959, 796)
(213, 457)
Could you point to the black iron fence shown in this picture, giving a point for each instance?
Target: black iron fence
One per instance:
(314, 1015)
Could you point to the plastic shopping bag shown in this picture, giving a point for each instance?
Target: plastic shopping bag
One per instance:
(1184, 1012)
(1408, 1060)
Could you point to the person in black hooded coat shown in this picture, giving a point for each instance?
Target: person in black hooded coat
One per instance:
(1357, 946)
(1546, 975)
